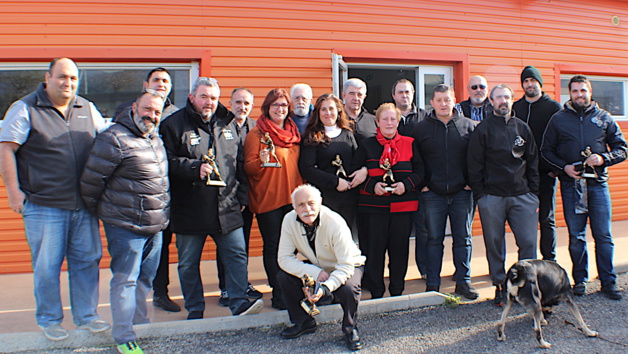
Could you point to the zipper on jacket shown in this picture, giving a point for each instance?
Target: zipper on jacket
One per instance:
(446, 156)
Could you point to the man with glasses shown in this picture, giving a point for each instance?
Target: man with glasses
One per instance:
(477, 107)
(201, 141)
(301, 100)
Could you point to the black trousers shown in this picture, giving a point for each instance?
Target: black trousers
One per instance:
(247, 216)
(162, 278)
(348, 295)
(547, 213)
(387, 232)
(270, 227)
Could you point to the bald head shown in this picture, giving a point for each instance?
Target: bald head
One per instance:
(61, 81)
(478, 90)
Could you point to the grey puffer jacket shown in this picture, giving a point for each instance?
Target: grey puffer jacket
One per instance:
(125, 180)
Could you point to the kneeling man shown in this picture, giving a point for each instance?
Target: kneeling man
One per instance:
(323, 238)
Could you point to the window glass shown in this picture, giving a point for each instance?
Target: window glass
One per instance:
(609, 93)
(107, 87)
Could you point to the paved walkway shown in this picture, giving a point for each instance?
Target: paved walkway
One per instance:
(17, 309)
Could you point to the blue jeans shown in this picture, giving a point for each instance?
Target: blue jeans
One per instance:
(54, 234)
(420, 238)
(600, 213)
(232, 250)
(134, 262)
(459, 208)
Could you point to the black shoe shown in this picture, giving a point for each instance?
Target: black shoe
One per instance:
(353, 340)
(250, 307)
(432, 288)
(195, 315)
(276, 303)
(253, 293)
(580, 288)
(297, 331)
(465, 289)
(223, 300)
(611, 291)
(499, 295)
(166, 303)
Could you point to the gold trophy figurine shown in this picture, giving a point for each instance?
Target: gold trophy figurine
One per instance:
(210, 158)
(387, 175)
(588, 171)
(309, 286)
(341, 170)
(266, 140)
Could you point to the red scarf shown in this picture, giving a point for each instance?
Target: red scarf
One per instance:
(281, 137)
(390, 148)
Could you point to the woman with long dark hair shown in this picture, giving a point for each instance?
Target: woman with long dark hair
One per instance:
(327, 151)
(271, 155)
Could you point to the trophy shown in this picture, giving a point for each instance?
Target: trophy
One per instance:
(341, 170)
(588, 171)
(388, 175)
(310, 286)
(266, 140)
(210, 158)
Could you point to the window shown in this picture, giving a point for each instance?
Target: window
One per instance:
(379, 79)
(609, 92)
(105, 84)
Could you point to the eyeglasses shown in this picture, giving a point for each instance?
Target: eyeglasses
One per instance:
(481, 87)
(278, 105)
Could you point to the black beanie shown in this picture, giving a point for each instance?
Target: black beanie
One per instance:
(531, 71)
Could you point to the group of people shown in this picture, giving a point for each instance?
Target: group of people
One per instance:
(317, 177)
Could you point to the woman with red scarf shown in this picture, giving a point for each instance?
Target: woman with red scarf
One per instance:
(387, 201)
(270, 187)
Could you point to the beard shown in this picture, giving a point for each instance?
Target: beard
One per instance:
(145, 124)
(532, 92)
(502, 110)
(300, 111)
(586, 103)
(477, 100)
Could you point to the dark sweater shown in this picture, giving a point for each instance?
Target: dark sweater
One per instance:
(502, 158)
(443, 148)
(537, 115)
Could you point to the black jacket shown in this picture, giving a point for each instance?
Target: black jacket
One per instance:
(537, 114)
(568, 134)
(199, 209)
(502, 158)
(443, 148)
(465, 107)
(125, 181)
(407, 124)
(364, 126)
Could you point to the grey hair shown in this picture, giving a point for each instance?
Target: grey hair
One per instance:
(307, 87)
(306, 187)
(503, 87)
(354, 82)
(204, 81)
(153, 93)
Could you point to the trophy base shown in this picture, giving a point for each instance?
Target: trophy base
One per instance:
(309, 308)
(271, 164)
(389, 189)
(216, 183)
(589, 175)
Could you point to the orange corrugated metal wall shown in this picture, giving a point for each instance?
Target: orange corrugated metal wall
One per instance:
(267, 44)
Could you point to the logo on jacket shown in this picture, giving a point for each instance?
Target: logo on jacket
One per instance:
(227, 134)
(519, 141)
(597, 121)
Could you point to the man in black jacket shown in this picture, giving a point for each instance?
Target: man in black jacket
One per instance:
(477, 107)
(204, 127)
(504, 177)
(586, 136)
(536, 108)
(443, 139)
(124, 184)
(353, 95)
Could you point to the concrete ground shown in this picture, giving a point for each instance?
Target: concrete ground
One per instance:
(19, 331)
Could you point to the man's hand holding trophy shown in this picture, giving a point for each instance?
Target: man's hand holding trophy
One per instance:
(313, 293)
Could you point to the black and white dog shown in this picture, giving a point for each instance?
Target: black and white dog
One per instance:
(538, 286)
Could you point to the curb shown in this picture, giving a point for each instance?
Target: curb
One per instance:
(82, 338)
